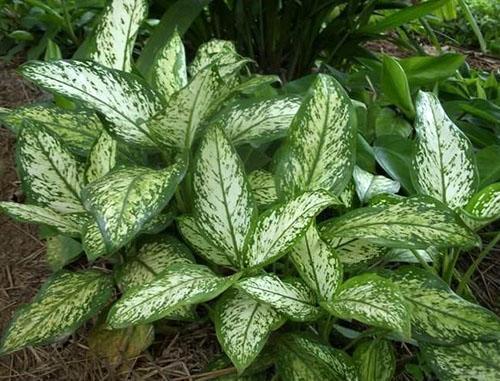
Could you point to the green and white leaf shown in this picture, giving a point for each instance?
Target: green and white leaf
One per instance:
(113, 38)
(474, 361)
(64, 303)
(372, 300)
(319, 153)
(439, 315)
(152, 258)
(62, 250)
(159, 222)
(280, 227)
(78, 129)
(413, 223)
(263, 188)
(224, 208)
(318, 265)
(126, 199)
(301, 358)
(484, 207)
(195, 237)
(375, 360)
(93, 241)
(40, 215)
(368, 185)
(243, 326)
(219, 53)
(168, 73)
(353, 253)
(291, 297)
(444, 165)
(178, 286)
(51, 175)
(408, 255)
(102, 158)
(258, 121)
(123, 99)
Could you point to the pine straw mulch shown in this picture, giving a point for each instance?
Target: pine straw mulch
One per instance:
(175, 356)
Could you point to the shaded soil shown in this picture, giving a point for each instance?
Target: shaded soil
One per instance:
(175, 355)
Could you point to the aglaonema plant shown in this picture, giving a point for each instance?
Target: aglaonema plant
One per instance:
(148, 177)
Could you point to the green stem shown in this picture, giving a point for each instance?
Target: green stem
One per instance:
(472, 268)
(69, 26)
(450, 266)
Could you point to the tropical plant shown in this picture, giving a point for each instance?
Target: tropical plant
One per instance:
(204, 190)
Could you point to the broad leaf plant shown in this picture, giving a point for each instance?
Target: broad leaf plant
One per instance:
(164, 182)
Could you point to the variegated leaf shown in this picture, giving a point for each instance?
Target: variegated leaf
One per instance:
(222, 54)
(372, 300)
(123, 99)
(318, 265)
(93, 241)
(116, 346)
(263, 188)
(353, 253)
(195, 237)
(243, 326)
(280, 227)
(78, 129)
(40, 215)
(301, 358)
(290, 297)
(375, 360)
(102, 158)
(168, 73)
(414, 223)
(61, 251)
(158, 222)
(65, 302)
(177, 125)
(178, 286)
(51, 175)
(319, 153)
(444, 165)
(258, 121)
(113, 38)
(368, 185)
(223, 205)
(484, 207)
(412, 256)
(439, 315)
(473, 361)
(125, 200)
(152, 258)
(254, 82)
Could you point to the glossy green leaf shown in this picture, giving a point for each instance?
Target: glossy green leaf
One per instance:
(427, 70)
(318, 265)
(223, 205)
(51, 175)
(263, 188)
(279, 228)
(301, 358)
(444, 165)
(439, 315)
(375, 360)
(372, 300)
(415, 222)
(474, 361)
(102, 157)
(291, 297)
(78, 129)
(368, 185)
(178, 286)
(62, 250)
(195, 237)
(243, 326)
(319, 152)
(125, 200)
(123, 99)
(258, 121)
(40, 215)
(168, 72)
(64, 303)
(389, 122)
(395, 85)
(488, 165)
(112, 41)
(485, 204)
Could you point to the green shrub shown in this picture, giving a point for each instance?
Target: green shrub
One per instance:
(202, 190)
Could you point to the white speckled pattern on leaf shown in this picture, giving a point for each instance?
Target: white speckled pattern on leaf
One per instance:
(102, 157)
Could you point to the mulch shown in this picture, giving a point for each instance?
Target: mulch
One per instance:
(181, 354)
